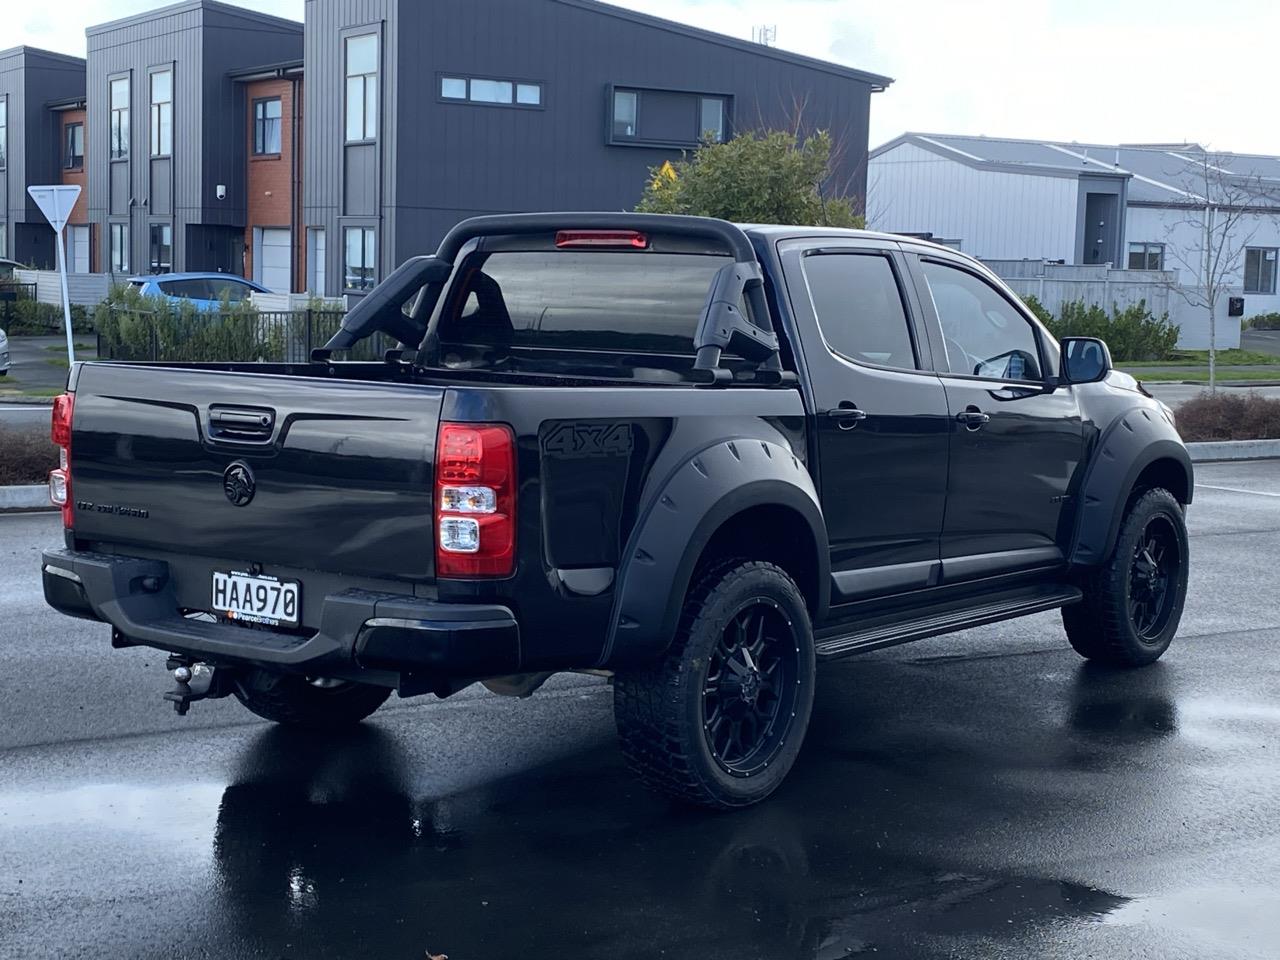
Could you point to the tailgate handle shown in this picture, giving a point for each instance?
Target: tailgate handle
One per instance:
(242, 424)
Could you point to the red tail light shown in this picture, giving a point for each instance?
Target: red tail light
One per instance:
(475, 500)
(60, 433)
(602, 238)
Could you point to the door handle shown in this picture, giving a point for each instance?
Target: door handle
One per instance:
(848, 416)
(973, 418)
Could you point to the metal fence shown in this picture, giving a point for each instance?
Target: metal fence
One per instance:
(242, 336)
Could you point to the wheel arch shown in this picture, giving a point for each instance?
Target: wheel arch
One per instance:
(739, 495)
(1138, 451)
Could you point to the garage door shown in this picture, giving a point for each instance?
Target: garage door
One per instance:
(273, 257)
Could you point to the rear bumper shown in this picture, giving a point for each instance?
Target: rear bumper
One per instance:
(359, 629)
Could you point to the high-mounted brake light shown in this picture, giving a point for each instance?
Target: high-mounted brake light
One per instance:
(602, 238)
(475, 500)
(60, 433)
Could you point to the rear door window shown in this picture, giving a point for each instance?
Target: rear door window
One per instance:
(186, 289)
(234, 290)
(858, 303)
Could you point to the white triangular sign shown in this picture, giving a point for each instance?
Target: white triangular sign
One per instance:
(55, 202)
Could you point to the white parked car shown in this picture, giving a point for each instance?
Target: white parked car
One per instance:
(4, 354)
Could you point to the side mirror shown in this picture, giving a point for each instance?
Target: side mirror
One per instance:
(1084, 359)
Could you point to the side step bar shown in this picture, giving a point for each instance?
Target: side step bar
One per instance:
(921, 627)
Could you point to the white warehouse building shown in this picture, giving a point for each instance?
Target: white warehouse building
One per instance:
(1136, 207)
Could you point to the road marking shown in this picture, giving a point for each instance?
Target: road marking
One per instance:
(1256, 493)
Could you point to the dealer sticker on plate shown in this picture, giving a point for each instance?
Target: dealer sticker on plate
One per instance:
(256, 599)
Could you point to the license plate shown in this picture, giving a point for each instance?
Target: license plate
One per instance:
(256, 599)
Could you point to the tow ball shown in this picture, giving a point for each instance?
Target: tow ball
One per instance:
(196, 681)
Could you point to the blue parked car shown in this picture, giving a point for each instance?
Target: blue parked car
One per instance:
(204, 290)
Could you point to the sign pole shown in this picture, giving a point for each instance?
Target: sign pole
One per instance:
(66, 298)
(56, 203)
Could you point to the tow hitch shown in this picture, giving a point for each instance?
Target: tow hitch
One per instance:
(196, 681)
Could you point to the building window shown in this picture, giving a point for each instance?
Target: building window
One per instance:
(73, 147)
(315, 261)
(4, 130)
(360, 260)
(161, 248)
(626, 109)
(482, 90)
(266, 126)
(711, 110)
(1146, 256)
(162, 113)
(119, 118)
(119, 247)
(4, 233)
(1260, 270)
(668, 118)
(362, 88)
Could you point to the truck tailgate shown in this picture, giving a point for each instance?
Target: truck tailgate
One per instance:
(260, 468)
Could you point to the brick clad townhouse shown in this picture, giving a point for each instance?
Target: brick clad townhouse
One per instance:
(274, 254)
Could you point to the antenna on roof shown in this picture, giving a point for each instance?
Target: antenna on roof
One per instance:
(766, 35)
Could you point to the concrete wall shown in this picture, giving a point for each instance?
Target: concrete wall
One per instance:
(991, 213)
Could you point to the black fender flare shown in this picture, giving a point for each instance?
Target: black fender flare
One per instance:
(707, 489)
(1136, 439)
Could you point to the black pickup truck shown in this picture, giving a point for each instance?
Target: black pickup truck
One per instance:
(694, 457)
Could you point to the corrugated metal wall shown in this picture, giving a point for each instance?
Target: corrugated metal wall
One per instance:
(911, 190)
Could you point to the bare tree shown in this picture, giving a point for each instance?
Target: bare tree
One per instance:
(1217, 203)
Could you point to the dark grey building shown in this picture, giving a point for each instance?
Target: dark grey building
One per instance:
(167, 133)
(31, 83)
(423, 113)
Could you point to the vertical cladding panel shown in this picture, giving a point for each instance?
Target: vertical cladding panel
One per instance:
(994, 214)
(455, 160)
(201, 44)
(12, 89)
(324, 130)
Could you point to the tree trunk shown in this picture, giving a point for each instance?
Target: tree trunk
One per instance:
(1213, 345)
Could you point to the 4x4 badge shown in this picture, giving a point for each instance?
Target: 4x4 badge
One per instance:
(238, 483)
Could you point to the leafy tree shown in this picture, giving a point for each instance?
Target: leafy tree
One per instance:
(769, 177)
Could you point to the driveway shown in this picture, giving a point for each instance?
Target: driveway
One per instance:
(1264, 341)
(36, 367)
(985, 794)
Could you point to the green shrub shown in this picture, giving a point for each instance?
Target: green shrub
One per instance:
(1263, 321)
(1038, 308)
(1229, 416)
(32, 318)
(1132, 333)
(134, 327)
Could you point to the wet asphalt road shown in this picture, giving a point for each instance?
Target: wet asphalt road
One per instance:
(980, 795)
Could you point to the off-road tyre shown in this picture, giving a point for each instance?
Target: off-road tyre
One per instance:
(301, 702)
(1104, 627)
(662, 709)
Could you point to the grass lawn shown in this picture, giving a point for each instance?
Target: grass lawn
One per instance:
(1200, 374)
(62, 347)
(1200, 358)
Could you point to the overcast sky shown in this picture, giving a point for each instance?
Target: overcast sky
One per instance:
(1100, 71)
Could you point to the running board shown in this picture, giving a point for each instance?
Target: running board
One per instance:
(948, 621)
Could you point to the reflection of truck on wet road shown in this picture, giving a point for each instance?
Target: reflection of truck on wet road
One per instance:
(697, 457)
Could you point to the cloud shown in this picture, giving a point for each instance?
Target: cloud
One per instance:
(1089, 70)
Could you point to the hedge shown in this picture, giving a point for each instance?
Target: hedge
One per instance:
(1132, 333)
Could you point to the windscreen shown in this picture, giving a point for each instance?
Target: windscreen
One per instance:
(624, 301)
